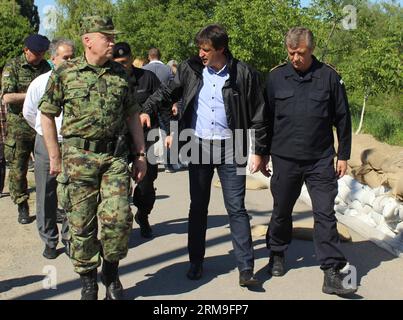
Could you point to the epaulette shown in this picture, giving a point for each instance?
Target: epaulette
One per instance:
(278, 66)
(331, 66)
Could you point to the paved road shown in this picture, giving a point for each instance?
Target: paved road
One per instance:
(155, 269)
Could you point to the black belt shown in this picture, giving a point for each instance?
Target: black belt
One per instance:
(97, 146)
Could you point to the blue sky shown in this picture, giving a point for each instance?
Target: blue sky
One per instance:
(43, 3)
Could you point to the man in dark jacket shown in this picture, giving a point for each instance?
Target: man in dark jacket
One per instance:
(220, 95)
(144, 84)
(306, 98)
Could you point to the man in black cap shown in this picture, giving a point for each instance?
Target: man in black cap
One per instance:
(144, 84)
(17, 75)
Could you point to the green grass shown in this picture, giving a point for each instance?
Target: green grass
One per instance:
(383, 117)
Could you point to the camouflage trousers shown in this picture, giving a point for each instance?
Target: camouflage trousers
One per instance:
(17, 153)
(92, 187)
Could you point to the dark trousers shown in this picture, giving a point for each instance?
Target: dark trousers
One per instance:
(233, 188)
(321, 181)
(144, 194)
(46, 197)
(2, 167)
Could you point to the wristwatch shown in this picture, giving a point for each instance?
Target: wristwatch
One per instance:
(140, 154)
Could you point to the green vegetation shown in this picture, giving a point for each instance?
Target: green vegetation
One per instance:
(369, 57)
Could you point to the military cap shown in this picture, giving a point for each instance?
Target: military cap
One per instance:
(92, 24)
(37, 43)
(121, 49)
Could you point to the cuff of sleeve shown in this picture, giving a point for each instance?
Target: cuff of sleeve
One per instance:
(48, 108)
(134, 109)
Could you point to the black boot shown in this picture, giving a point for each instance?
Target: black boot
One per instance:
(145, 228)
(23, 213)
(277, 264)
(90, 285)
(333, 283)
(110, 278)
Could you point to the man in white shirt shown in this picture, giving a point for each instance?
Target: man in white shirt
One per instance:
(46, 196)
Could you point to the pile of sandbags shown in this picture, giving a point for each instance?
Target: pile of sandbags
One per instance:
(377, 164)
(375, 206)
(372, 212)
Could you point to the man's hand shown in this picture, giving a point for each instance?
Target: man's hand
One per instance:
(55, 166)
(175, 109)
(139, 168)
(145, 120)
(265, 166)
(255, 163)
(341, 168)
(168, 142)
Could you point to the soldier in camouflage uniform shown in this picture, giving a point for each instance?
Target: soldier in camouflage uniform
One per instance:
(17, 75)
(99, 108)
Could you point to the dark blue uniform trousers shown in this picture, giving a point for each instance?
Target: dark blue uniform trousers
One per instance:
(321, 181)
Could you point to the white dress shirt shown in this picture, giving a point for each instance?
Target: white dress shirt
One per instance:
(30, 110)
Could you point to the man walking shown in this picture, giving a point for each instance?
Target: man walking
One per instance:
(17, 75)
(98, 111)
(144, 83)
(220, 95)
(306, 98)
(46, 197)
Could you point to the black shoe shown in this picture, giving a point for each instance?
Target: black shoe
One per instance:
(145, 228)
(66, 247)
(49, 253)
(277, 264)
(23, 213)
(110, 278)
(90, 285)
(246, 279)
(195, 271)
(333, 283)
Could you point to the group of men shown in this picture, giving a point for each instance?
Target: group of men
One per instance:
(91, 114)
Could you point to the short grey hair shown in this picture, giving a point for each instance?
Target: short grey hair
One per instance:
(297, 35)
(56, 43)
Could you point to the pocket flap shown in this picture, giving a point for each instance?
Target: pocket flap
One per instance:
(284, 94)
(319, 96)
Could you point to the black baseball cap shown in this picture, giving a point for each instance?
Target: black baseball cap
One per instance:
(121, 49)
(37, 43)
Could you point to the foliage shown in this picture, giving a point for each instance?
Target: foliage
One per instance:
(14, 29)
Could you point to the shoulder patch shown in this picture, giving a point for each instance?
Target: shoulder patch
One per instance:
(278, 66)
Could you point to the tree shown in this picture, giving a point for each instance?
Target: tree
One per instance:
(14, 29)
(30, 11)
(169, 25)
(70, 12)
(257, 28)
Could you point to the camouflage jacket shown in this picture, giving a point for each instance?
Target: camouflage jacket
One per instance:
(95, 100)
(16, 77)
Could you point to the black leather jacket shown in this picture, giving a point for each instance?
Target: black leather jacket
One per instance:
(242, 93)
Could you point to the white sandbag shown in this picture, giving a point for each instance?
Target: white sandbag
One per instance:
(344, 193)
(363, 195)
(351, 212)
(376, 217)
(380, 202)
(340, 208)
(356, 205)
(390, 211)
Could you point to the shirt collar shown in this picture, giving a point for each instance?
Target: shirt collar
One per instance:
(156, 61)
(83, 64)
(222, 72)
